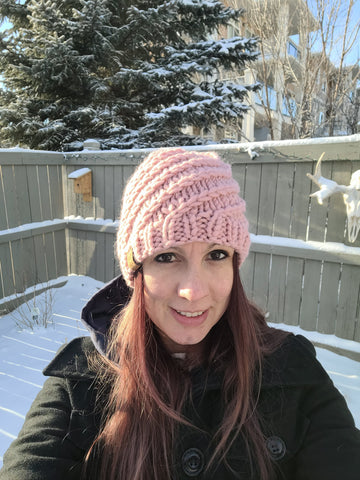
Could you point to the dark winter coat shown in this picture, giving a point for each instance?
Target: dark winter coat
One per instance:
(309, 430)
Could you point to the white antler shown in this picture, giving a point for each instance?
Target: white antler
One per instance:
(351, 195)
(327, 187)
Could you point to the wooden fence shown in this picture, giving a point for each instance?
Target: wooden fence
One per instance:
(301, 268)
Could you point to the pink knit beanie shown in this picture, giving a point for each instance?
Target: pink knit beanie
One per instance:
(176, 197)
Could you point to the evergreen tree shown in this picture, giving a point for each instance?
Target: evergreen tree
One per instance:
(130, 73)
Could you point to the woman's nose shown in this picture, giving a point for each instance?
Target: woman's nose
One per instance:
(193, 285)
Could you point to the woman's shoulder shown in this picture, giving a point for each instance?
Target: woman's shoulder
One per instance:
(72, 360)
(293, 363)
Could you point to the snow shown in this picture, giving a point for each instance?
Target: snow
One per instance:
(243, 146)
(31, 226)
(331, 247)
(26, 227)
(25, 353)
(79, 173)
(322, 338)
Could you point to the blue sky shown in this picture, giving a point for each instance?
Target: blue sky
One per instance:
(354, 56)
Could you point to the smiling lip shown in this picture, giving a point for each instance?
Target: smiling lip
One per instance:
(190, 318)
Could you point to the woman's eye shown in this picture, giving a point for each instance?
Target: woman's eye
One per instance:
(165, 258)
(218, 254)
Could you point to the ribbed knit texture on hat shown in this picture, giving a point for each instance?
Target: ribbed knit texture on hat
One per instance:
(176, 197)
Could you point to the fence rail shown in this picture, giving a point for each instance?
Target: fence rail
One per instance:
(301, 268)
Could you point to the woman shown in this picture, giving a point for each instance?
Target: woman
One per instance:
(187, 380)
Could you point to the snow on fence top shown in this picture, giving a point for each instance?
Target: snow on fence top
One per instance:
(79, 173)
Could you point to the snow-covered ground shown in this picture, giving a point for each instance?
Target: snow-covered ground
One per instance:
(24, 354)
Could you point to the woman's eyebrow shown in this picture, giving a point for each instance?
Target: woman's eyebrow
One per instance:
(180, 247)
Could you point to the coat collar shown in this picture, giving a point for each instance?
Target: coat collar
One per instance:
(72, 360)
(98, 313)
(293, 364)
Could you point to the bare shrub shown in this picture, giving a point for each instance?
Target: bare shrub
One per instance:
(34, 310)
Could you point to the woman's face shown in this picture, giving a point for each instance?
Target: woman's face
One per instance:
(187, 290)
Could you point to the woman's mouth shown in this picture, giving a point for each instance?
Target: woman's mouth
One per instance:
(190, 318)
(191, 314)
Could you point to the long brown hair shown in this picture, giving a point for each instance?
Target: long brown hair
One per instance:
(148, 388)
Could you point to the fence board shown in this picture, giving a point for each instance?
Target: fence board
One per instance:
(357, 330)
(283, 199)
(3, 214)
(44, 192)
(60, 250)
(99, 191)
(90, 248)
(251, 195)
(310, 295)
(239, 174)
(34, 193)
(261, 280)
(90, 255)
(18, 259)
(22, 194)
(50, 255)
(40, 259)
(328, 298)
(337, 209)
(293, 292)
(81, 261)
(300, 204)
(7, 273)
(277, 285)
(99, 256)
(127, 171)
(110, 257)
(247, 274)
(29, 264)
(267, 199)
(10, 195)
(2, 293)
(109, 200)
(348, 302)
(86, 243)
(118, 189)
(56, 195)
(73, 252)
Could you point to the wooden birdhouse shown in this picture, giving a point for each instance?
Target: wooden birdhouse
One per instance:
(82, 183)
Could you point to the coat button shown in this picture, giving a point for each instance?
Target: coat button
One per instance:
(192, 462)
(276, 447)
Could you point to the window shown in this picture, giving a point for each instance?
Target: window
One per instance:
(293, 50)
(289, 107)
(321, 118)
(260, 98)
